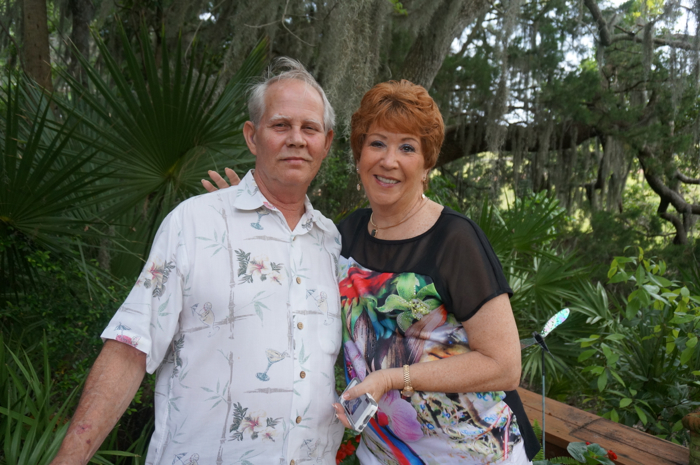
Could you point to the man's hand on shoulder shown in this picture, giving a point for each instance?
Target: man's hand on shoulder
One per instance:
(220, 182)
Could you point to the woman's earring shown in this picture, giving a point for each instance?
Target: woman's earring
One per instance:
(357, 170)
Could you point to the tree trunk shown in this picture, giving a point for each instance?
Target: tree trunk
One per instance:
(82, 12)
(37, 60)
(425, 57)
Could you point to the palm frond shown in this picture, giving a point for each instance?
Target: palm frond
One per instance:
(44, 187)
(163, 126)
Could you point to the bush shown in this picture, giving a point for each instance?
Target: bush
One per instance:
(644, 359)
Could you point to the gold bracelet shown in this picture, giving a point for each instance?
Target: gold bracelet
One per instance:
(407, 388)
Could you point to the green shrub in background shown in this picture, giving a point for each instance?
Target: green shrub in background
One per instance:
(644, 360)
(70, 313)
(54, 333)
(33, 417)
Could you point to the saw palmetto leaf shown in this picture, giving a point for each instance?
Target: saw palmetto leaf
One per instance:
(163, 125)
(45, 188)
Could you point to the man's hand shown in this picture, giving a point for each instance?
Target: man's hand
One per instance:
(220, 182)
(114, 379)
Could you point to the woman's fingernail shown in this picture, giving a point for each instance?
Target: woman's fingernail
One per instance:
(346, 396)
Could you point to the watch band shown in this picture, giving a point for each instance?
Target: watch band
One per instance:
(407, 388)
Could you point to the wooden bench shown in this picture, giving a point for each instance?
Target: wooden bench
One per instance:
(565, 424)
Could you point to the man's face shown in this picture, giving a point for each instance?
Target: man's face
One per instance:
(290, 142)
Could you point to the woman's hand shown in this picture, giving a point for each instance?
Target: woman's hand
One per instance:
(376, 384)
(220, 182)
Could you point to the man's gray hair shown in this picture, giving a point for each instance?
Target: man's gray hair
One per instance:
(281, 69)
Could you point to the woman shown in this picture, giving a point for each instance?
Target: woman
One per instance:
(425, 304)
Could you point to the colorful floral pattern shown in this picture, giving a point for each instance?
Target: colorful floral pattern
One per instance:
(392, 319)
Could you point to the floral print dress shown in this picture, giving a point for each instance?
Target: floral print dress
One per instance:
(403, 302)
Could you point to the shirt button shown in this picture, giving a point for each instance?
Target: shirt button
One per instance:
(294, 239)
(300, 325)
(298, 280)
(302, 374)
(298, 420)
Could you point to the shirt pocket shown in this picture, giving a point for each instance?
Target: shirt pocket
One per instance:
(323, 305)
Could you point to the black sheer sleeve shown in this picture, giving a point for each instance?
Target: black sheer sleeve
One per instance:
(471, 272)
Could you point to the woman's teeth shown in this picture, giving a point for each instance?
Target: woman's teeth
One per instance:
(387, 180)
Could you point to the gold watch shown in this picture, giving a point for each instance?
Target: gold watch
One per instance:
(407, 388)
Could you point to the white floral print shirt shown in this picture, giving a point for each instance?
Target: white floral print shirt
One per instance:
(239, 316)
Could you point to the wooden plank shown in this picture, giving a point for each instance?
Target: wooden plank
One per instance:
(639, 440)
(565, 424)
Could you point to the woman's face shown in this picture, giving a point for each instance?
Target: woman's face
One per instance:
(391, 167)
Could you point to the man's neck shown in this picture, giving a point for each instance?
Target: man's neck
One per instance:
(288, 201)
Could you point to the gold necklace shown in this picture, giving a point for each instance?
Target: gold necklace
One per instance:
(377, 228)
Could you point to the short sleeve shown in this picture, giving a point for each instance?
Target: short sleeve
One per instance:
(149, 317)
(472, 273)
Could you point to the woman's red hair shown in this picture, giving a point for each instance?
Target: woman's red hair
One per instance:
(401, 107)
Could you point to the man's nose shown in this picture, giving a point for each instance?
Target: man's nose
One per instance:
(295, 137)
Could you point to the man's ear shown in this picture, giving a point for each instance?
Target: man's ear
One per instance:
(249, 134)
(329, 141)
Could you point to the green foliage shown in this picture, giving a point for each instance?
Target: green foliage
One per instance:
(590, 454)
(71, 317)
(644, 360)
(45, 187)
(33, 424)
(398, 7)
(544, 280)
(161, 126)
(334, 189)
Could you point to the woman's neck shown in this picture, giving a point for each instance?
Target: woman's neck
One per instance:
(421, 216)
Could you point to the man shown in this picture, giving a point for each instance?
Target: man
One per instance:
(227, 311)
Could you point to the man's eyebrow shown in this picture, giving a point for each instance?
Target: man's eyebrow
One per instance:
(314, 121)
(280, 118)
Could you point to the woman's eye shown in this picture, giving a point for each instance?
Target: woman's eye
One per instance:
(407, 148)
(376, 143)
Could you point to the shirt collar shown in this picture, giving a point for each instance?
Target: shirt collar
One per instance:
(249, 197)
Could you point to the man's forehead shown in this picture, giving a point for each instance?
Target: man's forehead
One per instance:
(283, 117)
(300, 89)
